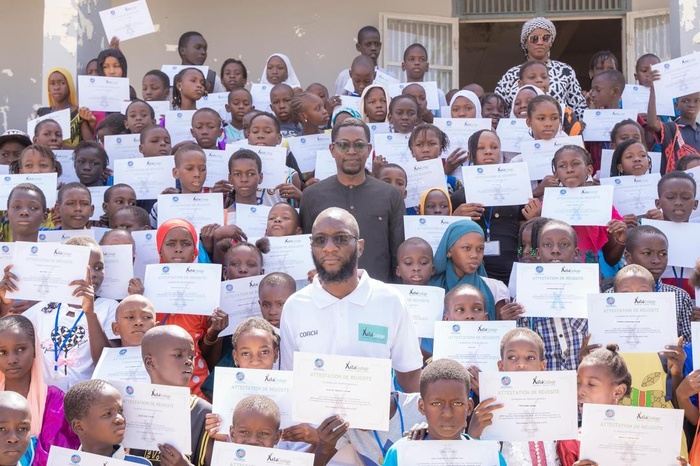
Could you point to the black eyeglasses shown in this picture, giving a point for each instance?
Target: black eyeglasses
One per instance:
(340, 240)
(344, 146)
(546, 38)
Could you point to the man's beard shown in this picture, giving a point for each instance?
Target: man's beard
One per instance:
(347, 269)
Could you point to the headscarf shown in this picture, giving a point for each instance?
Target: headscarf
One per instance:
(445, 275)
(167, 226)
(365, 91)
(536, 23)
(424, 197)
(338, 110)
(470, 96)
(536, 89)
(72, 95)
(292, 80)
(111, 53)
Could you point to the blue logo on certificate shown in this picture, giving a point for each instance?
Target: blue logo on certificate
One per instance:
(455, 328)
(597, 113)
(512, 122)
(372, 333)
(610, 301)
(253, 209)
(318, 363)
(302, 140)
(149, 236)
(537, 145)
(35, 249)
(389, 138)
(539, 269)
(7, 178)
(240, 453)
(122, 352)
(119, 140)
(75, 459)
(610, 413)
(449, 123)
(618, 181)
(505, 381)
(422, 221)
(5, 249)
(240, 376)
(130, 163)
(480, 170)
(229, 287)
(179, 114)
(175, 198)
(42, 237)
(166, 269)
(562, 191)
(129, 390)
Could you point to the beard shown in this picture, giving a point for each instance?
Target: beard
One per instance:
(347, 269)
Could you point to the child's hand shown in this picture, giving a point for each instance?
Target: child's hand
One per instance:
(549, 181)
(106, 173)
(86, 115)
(206, 235)
(18, 306)
(474, 378)
(311, 274)
(617, 230)
(631, 220)
(455, 160)
(532, 209)
(377, 163)
(301, 433)
(216, 323)
(212, 424)
(170, 191)
(329, 432)
(334, 102)
(8, 284)
(230, 232)
(169, 456)
(689, 386)
(55, 216)
(427, 116)
(471, 210)
(289, 191)
(310, 181)
(512, 311)
(482, 417)
(85, 290)
(114, 43)
(135, 286)
(417, 432)
(654, 214)
(682, 461)
(675, 357)
(222, 186)
(586, 348)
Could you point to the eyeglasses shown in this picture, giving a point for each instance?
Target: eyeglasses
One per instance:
(341, 240)
(546, 38)
(344, 146)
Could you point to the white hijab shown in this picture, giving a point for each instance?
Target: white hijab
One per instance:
(536, 89)
(473, 98)
(292, 79)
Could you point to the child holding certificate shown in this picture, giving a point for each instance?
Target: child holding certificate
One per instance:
(374, 103)
(155, 86)
(281, 96)
(134, 316)
(428, 142)
(465, 104)
(493, 106)
(16, 415)
(206, 129)
(115, 197)
(239, 103)
(62, 95)
(395, 175)
(155, 141)
(310, 111)
(189, 85)
(138, 116)
(48, 133)
(234, 74)
(415, 258)
(90, 161)
(74, 207)
(606, 93)
(403, 114)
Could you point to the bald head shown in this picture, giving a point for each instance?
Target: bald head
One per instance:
(362, 62)
(14, 401)
(135, 301)
(159, 338)
(338, 215)
(116, 236)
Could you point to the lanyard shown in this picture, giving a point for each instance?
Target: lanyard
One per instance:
(679, 281)
(57, 349)
(488, 224)
(376, 436)
(165, 320)
(657, 285)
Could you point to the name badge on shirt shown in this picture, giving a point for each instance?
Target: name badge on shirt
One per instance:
(372, 333)
(492, 248)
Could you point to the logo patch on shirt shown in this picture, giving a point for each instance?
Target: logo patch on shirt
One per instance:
(372, 333)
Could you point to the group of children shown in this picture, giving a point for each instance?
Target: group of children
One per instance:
(48, 350)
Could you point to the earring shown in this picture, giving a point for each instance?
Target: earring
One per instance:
(449, 255)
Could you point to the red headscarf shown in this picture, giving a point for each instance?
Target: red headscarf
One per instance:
(165, 228)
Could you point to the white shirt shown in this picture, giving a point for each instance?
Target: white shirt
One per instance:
(372, 321)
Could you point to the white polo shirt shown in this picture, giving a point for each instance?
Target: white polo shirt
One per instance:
(372, 321)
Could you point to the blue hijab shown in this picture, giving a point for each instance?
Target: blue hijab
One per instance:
(445, 275)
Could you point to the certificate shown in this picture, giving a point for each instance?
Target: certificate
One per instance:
(6, 254)
(291, 255)
(348, 101)
(217, 166)
(59, 456)
(122, 146)
(173, 70)
(65, 158)
(394, 148)
(156, 414)
(97, 194)
(497, 185)
(679, 77)
(429, 227)
(45, 271)
(47, 182)
(537, 406)
(556, 289)
(216, 101)
(239, 299)
(99, 232)
(539, 154)
(589, 205)
(423, 176)
(681, 252)
(425, 304)
(695, 173)
(179, 125)
(637, 322)
(606, 162)
(635, 97)
(304, 149)
(127, 21)
(233, 454)
(512, 132)
(459, 130)
(232, 384)
(471, 343)
(62, 117)
(612, 435)
(146, 251)
(274, 165)
(119, 269)
(352, 387)
(183, 288)
(252, 219)
(325, 165)
(599, 123)
(261, 96)
(448, 453)
(199, 209)
(103, 93)
(148, 176)
(430, 88)
(61, 236)
(121, 364)
(634, 194)
(378, 128)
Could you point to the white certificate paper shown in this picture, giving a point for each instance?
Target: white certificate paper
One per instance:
(183, 288)
(681, 252)
(304, 149)
(459, 130)
(44, 181)
(429, 227)
(123, 146)
(512, 132)
(148, 176)
(127, 21)
(325, 165)
(274, 168)
(423, 176)
(233, 454)
(119, 269)
(45, 270)
(448, 453)
(179, 125)
(430, 88)
(352, 387)
(612, 435)
(103, 93)
(121, 364)
(471, 343)
(556, 289)
(635, 97)
(61, 236)
(425, 304)
(232, 384)
(252, 219)
(589, 205)
(59, 456)
(239, 299)
(217, 166)
(156, 414)
(65, 158)
(291, 255)
(497, 185)
(679, 77)
(146, 251)
(637, 322)
(97, 194)
(6, 254)
(599, 123)
(199, 209)
(538, 154)
(394, 148)
(216, 101)
(62, 117)
(538, 406)
(634, 194)
(261, 96)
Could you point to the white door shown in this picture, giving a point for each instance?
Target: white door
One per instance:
(648, 31)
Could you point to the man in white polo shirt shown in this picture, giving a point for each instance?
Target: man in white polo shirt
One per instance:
(346, 313)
